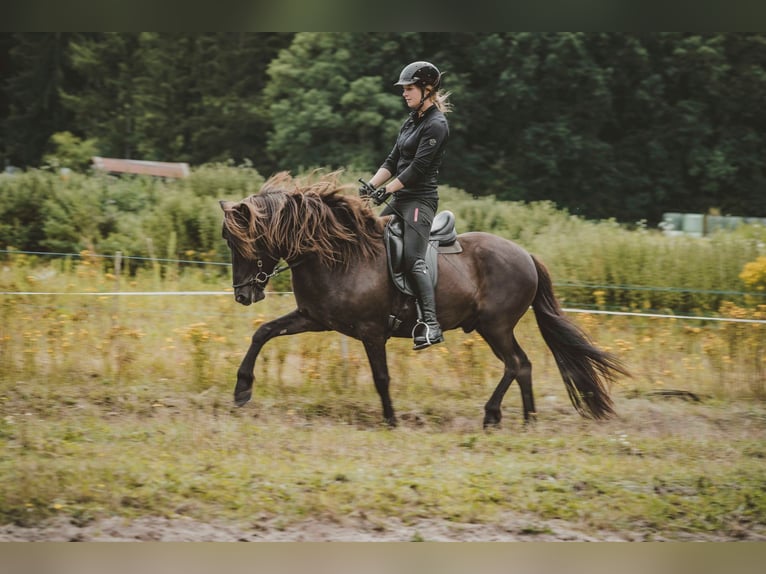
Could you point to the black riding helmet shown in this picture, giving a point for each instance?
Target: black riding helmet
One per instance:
(421, 73)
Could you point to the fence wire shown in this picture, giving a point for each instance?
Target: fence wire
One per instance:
(226, 264)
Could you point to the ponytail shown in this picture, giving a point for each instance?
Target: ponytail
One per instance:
(441, 101)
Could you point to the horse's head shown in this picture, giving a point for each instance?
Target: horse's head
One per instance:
(251, 267)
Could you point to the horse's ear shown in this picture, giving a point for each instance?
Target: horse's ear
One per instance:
(238, 210)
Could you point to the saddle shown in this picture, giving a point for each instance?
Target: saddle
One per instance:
(442, 239)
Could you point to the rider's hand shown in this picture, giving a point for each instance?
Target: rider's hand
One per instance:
(365, 190)
(380, 195)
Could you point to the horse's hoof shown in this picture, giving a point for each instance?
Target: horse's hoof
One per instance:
(491, 422)
(242, 398)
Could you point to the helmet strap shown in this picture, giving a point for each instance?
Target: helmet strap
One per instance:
(423, 99)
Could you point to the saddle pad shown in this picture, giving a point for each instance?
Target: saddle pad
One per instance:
(454, 247)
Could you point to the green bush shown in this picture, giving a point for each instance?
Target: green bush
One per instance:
(22, 213)
(223, 181)
(69, 151)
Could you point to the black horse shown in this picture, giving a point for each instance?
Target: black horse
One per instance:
(333, 243)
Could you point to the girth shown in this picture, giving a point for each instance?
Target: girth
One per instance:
(442, 239)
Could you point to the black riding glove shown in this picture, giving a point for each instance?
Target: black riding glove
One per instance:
(380, 195)
(365, 190)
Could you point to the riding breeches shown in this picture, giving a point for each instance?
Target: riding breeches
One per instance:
(416, 215)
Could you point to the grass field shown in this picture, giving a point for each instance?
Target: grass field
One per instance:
(121, 406)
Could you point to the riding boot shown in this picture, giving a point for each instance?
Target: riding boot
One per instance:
(427, 330)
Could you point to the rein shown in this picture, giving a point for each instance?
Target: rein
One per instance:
(261, 278)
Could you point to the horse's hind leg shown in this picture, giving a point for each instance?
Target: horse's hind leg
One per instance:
(524, 378)
(492, 412)
(517, 366)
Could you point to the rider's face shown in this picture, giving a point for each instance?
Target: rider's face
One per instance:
(411, 94)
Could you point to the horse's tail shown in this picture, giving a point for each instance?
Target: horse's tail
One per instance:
(586, 370)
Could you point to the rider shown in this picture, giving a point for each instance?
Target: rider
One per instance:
(414, 165)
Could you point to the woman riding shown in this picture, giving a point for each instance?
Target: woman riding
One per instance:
(411, 170)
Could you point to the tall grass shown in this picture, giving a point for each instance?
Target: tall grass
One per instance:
(118, 337)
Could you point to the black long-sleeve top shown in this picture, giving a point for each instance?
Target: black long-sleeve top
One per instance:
(418, 152)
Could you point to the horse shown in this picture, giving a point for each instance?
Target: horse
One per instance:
(332, 241)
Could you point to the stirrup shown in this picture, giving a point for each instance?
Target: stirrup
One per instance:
(426, 340)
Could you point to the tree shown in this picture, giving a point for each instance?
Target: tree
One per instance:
(37, 70)
(332, 99)
(106, 106)
(536, 106)
(201, 95)
(6, 43)
(234, 118)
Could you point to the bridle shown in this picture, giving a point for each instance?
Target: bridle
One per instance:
(260, 279)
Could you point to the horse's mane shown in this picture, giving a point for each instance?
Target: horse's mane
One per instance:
(291, 217)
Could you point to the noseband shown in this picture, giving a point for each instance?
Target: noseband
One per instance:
(260, 279)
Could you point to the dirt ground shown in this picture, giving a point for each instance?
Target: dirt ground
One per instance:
(354, 529)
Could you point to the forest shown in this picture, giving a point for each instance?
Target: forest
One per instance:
(605, 125)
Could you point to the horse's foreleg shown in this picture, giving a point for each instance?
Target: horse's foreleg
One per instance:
(376, 355)
(289, 324)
